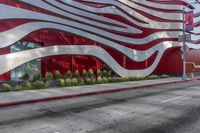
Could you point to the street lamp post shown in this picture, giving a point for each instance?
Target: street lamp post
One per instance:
(184, 76)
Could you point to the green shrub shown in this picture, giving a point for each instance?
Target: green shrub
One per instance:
(124, 79)
(25, 76)
(68, 74)
(164, 76)
(105, 73)
(88, 81)
(85, 74)
(116, 79)
(136, 78)
(153, 77)
(105, 80)
(99, 73)
(57, 75)
(28, 86)
(18, 88)
(81, 81)
(39, 85)
(36, 76)
(111, 80)
(99, 80)
(48, 76)
(133, 78)
(76, 74)
(91, 73)
(61, 82)
(68, 82)
(93, 81)
(140, 78)
(74, 82)
(6, 88)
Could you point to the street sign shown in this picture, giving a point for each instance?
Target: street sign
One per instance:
(185, 48)
(189, 21)
(184, 38)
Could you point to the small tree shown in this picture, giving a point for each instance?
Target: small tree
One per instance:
(48, 76)
(91, 73)
(85, 74)
(99, 73)
(68, 74)
(77, 74)
(105, 73)
(57, 75)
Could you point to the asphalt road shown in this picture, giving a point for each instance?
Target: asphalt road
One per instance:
(166, 109)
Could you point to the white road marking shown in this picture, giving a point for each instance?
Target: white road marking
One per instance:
(172, 99)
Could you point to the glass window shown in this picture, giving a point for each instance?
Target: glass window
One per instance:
(31, 67)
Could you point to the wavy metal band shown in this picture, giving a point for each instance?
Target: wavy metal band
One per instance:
(19, 58)
(13, 35)
(90, 22)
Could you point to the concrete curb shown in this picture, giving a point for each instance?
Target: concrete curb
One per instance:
(32, 101)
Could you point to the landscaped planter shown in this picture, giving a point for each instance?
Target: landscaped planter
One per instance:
(87, 78)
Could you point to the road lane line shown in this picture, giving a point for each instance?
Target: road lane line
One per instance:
(172, 99)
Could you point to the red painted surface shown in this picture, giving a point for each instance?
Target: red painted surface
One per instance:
(63, 63)
(5, 76)
(170, 63)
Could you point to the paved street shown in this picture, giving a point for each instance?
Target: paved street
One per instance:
(166, 109)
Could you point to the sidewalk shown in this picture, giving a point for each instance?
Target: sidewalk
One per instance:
(34, 96)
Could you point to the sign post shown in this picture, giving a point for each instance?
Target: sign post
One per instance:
(186, 38)
(188, 24)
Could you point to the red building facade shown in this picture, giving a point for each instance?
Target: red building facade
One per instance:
(133, 38)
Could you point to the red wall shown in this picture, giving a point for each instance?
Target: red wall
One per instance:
(63, 63)
(5, 76)
(171, 62)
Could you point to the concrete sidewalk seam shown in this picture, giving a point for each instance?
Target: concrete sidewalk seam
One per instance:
(70, 96)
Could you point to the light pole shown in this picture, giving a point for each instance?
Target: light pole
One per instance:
(184, 76)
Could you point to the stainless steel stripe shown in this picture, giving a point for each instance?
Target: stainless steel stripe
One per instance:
(24, 14)
(14, 60)
(193, 46)
(41, 4)
(88, 14)
(13, 35)
(162, 15)
(136, 14)
(112, 10)
(159, 6)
